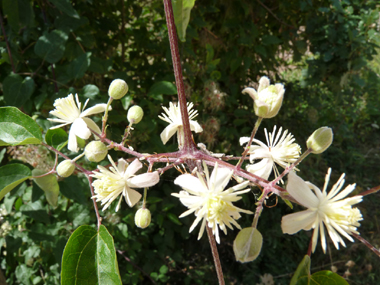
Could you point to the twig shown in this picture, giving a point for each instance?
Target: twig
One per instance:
(215, 255)
(370, 246)
(188, 144)
(7, 43)
(135, 266)
(370, 191)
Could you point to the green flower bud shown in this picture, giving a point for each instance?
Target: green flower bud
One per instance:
(66, 168)
(135, 114)
(118, 88)
(320, 140)
(247, 244)
(96, 151)
(142, 218)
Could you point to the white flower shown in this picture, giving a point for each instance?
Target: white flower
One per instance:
(209, 201)
(280, 149)
(70, 113)
(267, 99)
(121, 179)
(173, 117)
(324, 210)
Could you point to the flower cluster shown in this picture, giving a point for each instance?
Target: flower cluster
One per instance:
(207, 199)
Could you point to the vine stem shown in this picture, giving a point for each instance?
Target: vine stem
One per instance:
(188, 144)
(215, 255)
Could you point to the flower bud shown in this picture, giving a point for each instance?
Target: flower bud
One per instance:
(320, 140)
(96, 151)
(267, 99)
(247, 244)
(135, 114)
(118, 88)
(66, 168)
(142, 218)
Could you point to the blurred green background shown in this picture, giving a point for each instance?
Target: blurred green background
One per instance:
(324, 52)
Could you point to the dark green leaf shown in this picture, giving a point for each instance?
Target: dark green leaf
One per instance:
(162, 87)
(79, 215)
(181, 11)
(174, 219)
(10, 8)
(51, 46)
(36, 211)
(72, 188)
(66, 7)
(79, 66)
(56, 138)
(90, 91)
(90, 258)
(17, 90)
(12, 175)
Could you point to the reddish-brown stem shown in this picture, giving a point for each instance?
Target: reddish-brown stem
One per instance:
(215, 255)
(98, 217)
(188, 144)
(370, 246)
(7, 43)
(310, 248)
(370, 191)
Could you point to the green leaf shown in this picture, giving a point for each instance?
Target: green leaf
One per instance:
(26, 12)
(90, 91)
(51, 46)
(17, 90)
(36, 211)
(327, 277)
(77, 68)
(16, 128)
(72, 187)
(302, 272)
(56, 138)
(181, 11)
(10, 8)
(49, 184)
(90, 258)
(12, 175)
(174, 219)
(65, 7)
(162, 87)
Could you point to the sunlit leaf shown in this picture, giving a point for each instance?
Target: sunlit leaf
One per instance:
(12, 175)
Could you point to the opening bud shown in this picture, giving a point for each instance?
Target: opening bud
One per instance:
(96, 151)
(135, 114)
(320, 140)
(66, 168)
(247, 244)
(118, 88)
(142, 218)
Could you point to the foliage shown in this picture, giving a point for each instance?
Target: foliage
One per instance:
(322, 51)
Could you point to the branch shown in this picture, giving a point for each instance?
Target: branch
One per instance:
(215, 255)
(188, 145)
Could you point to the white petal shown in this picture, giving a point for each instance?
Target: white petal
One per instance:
(220, 178)
(251, 92)
(190, 183)
(92, 125)
(195, 126)
(295, 222)
(243, 140)
(133, 167)
(80, 129)
(299, 190)
(132, 197)
(168, 132)
(262, 169)
(73, 145)
(263, 83)
(98, 108)
(144, 180)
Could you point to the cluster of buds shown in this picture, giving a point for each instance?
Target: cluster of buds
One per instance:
(213, 97)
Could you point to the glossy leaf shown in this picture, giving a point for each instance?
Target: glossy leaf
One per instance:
(162, 87)
(56, 138)
(302, 273)
(16, 128)
(90, 258)
(181, 11)
(51, 46)
(327, 277)
(17, 90)
(12, 175)
(65, 7)
(49, 184)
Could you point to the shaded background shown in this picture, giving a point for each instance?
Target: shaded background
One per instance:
(326, 55)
